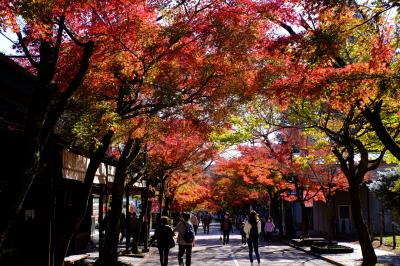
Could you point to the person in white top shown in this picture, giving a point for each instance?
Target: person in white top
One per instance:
(195, 222)
(252, 228)
(185, 245)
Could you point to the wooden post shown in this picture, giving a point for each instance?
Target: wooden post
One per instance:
(394, 233)
(100, 218)
(52, 206)
(127, 219)
(382, 225)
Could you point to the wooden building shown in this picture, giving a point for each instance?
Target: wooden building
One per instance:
(31, 238)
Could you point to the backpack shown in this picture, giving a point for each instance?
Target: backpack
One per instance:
(188, 236)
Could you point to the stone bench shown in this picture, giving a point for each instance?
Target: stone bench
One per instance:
(75, 259)
(321, 243)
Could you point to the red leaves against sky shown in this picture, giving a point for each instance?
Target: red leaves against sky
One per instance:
(261, 169)
(197, 60)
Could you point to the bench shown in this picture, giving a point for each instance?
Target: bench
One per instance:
(75, 259)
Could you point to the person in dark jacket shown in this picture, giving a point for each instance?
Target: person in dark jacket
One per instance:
(122, 227)
(226, 227)
(164, 236)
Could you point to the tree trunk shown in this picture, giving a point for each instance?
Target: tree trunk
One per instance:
(277, 206)
(305, 221)
(368, 252)
(110, 251)
(70, 221)
(394, 231)
(108, 256)
(331, 222)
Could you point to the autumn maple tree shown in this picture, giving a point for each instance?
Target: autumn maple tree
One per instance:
(164, 72)
(331, 72)
(178, 158)
(159, 69)
(166, 68)
(319, 165)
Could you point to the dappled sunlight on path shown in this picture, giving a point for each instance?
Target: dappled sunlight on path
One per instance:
(208, 250)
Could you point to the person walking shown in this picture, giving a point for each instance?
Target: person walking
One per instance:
(195, 223)
(226, 227)
(252, 228)
(165, 240)
(269, 228)
(243, 234)
(131, 228)
(186, 239)
(122, 227)
(206, 223)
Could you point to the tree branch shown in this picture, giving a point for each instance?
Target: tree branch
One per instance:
(59, 36)
(26, 51)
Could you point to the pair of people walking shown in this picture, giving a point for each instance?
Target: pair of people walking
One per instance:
(252, 230)
(165, 241)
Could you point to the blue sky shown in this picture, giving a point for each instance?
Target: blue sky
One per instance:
(5, 44)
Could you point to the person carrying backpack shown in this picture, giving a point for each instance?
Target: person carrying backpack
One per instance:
(252, 228)
(186, 239)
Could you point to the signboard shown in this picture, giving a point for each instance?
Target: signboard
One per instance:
(155, 206)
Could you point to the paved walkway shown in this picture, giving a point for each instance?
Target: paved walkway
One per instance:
(209, 250)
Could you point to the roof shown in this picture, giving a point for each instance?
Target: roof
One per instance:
(16, 86)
